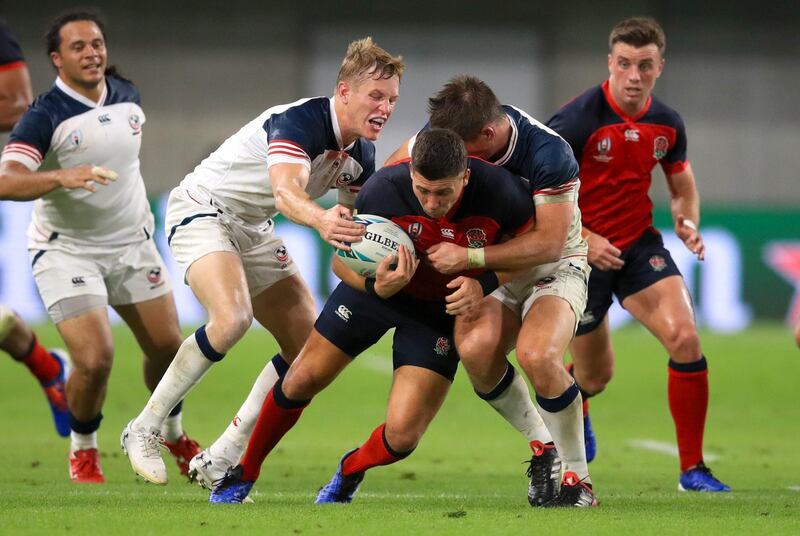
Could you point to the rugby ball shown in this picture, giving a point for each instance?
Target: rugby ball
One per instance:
(381, 239)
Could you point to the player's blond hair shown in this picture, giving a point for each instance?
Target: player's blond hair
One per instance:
(365, 58)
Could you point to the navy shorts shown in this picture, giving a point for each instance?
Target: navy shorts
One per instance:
(647, 261)
(353, 321)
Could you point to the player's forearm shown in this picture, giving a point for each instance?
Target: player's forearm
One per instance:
(296, 205)
(686, 204)
(16, 186)
(525, 251)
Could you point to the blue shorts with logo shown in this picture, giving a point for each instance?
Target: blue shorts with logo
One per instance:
(647, 261)
(353, 321)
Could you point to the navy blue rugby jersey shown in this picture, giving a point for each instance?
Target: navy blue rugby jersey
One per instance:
(494, 204)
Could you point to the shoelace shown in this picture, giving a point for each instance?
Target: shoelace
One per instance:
(86, 463)
(152, 443)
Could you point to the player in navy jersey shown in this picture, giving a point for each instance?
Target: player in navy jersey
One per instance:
(440, 196)
(16, 337)
(90, 236)
(538, 311)
(220, 230)
(619, 132)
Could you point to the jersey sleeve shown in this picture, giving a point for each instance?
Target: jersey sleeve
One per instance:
(30, 140)
(10, 52)
(293, 137)
(555, 177)
(675, 161)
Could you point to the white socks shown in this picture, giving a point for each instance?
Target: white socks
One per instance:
(516, 407)
(231, 444)
(173, 427)
(82, 441)
(565, 422)
(186, 370)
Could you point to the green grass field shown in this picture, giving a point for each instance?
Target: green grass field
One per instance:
(466, 477)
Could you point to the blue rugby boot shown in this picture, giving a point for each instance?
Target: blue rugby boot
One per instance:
(231, 489)
(341, 488)
(700, 478)
(56, 393)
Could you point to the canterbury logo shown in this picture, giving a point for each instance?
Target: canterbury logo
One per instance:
(343, 313)
(104, 119)
(77, 281)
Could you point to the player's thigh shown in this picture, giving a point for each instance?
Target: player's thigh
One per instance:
(665, 309)
(484, 340)
(154, 323)
(89, 341)
(287, 310)
(416, 396)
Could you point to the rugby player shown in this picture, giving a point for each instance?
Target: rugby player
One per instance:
(538, 311)
(220, 230)
(619, 131)
(90, 239)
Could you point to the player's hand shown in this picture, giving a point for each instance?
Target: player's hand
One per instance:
(85, 177)
(602, 253)
(447, 258)
(467, 297)
(388, 282)
(336, 226)
(688, 232)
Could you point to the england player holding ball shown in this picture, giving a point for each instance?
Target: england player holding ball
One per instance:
(440, 196)
(90, 238)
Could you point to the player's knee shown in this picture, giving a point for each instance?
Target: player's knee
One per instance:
(535, 359)
(403, 439)
(94, 364)
(596, 381)
(228, 328)
(301, 384)
(473, 349)
(683, 343)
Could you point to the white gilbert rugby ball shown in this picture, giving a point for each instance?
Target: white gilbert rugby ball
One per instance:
(381, 238)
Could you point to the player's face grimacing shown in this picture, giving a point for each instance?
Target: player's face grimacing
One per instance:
(370, 103)
(437, 197)
(633, 74)
(81, 58)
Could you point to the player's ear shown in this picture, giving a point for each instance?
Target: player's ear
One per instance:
(610, 59)
(488, 132)
(467, 173)
(343, 91)
(55, 59)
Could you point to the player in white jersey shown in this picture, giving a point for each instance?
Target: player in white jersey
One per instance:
(220, 230)
(90, 236)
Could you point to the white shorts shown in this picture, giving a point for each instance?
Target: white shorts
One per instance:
(128, 274)
(566, 279)
(195, 228)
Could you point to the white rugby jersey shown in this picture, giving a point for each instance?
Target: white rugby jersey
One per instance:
(66, 129)
(236, 176)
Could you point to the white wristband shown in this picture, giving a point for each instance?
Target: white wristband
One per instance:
(476, 258)
(690, 224)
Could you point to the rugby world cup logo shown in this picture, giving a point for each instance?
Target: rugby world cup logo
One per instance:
(660, 147)
(76, 138)
(603, 148)
(476, 238)
(414, 230)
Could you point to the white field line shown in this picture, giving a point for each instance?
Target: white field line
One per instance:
(665, 448)
(793, 488)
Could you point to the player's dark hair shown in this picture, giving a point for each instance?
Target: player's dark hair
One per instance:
(464, 105)
(439, 154)
(639, 32)
(52, 38)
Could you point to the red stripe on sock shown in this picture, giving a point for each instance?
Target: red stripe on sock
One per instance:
(41, 363)
(371, 454)
(688, 403)
(273, 423)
